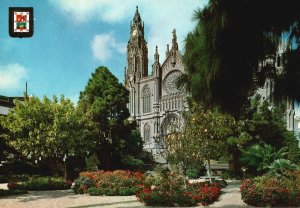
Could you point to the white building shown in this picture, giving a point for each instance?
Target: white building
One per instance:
(155, 102)
(293, 108)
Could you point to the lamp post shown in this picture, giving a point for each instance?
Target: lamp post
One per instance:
(65, 166)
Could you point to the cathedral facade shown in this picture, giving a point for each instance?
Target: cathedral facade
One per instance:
(278, 62)
(154, 102)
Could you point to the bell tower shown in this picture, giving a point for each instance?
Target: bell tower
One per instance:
(137, 51)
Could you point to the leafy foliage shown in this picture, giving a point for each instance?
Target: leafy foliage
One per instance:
(171, 189)
(41, 183)
(271, 191)
(280, 166)
(122, 183)
(260, 158)
(92, 162)
(203, 139)
(103, 103)
(230, 38)
(262, 130)
(45, 129)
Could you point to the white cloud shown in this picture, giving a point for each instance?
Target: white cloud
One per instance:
(12, 76)
(81, 11)
(104, 45)
(160, 17)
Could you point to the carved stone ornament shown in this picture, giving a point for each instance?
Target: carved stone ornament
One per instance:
(169, 82)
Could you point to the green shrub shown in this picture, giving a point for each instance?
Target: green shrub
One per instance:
(41, 183)
(222, 183)
(132, 163)
(82, 184)
(93, 191)
(12, 192)
(272, 191)
(16, 178)
(127, 191)
(228, 174)
(171, 189)
(109, 183)
(92, 162)
(192, 173)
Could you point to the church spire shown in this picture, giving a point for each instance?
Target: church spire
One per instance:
(137, 50)
(137, 25)
(137, 16)
(156, 64)
(156, 55)
(168, 51)
(174, 41)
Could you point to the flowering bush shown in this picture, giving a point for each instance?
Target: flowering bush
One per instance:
(82, 184)
(271, 191)
(171, 189)
(204, 192)
(117, 182)
(41, 183)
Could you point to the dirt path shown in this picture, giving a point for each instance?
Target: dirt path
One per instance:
(231, 197)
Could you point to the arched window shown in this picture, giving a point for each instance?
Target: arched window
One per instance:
(146, 96)
(147, 132)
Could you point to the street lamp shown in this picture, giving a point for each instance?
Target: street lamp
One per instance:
(64, 159)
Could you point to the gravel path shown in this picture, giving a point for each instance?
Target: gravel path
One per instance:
(230, 198)
(66, 199)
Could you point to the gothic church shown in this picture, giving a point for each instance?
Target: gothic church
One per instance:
(155, 102)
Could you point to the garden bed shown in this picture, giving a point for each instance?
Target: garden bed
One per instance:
(272, 191)
(110, 183)
(171, 189)
(41, 183)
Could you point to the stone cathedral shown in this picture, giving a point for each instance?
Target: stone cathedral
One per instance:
(155, 101)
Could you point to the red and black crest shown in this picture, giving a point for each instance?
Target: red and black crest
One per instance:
(21, 22)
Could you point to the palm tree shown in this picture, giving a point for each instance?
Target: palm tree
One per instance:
(259, 159)
(280, 166)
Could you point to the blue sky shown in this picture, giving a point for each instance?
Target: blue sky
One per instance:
(73, 37)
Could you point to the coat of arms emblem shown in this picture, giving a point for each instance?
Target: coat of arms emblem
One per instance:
(21, 21)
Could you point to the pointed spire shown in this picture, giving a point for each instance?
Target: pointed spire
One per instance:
(168, 51)
(174, 41)
(156, 55)
(137, 17)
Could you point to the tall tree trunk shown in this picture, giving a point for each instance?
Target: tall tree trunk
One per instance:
(235, 165)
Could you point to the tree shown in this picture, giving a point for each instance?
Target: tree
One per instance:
(266, 125)
(262, 125)
(104, 103)
(258, 159)
(45, 130)
(230, 39)
(280, 166)
(204, 137)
